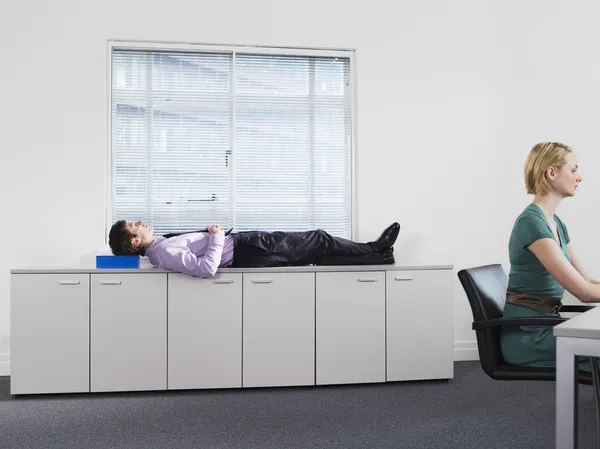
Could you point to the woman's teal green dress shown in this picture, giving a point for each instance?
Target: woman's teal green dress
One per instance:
(532, 345)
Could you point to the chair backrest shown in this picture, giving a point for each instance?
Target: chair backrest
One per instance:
(485, 287)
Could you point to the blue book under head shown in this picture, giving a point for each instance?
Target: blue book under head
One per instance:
(110, 261)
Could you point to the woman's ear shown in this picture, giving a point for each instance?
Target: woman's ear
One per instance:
(136, 242)
(551, 173)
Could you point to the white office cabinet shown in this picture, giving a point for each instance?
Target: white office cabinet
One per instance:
(128, 332)
(420, 325)
(350, 327)
(205, 331)
(278, 329)
(79, 330)
(50, 333)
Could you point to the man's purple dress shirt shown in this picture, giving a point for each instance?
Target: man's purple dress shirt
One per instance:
(197, 254)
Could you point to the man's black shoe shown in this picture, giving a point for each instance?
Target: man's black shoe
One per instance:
(387, 237)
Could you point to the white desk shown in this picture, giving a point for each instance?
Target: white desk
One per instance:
(579, 336)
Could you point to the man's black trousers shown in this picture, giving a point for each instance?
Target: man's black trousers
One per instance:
(276, 249)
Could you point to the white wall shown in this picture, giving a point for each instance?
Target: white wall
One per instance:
(444, 120)
(557, 92)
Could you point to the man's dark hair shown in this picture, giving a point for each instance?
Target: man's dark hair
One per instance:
(119, 240)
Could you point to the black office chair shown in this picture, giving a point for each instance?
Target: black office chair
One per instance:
(485, 287)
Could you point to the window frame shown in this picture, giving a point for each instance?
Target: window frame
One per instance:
(209, 48)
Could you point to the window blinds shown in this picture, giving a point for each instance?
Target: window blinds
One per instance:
(249, 141)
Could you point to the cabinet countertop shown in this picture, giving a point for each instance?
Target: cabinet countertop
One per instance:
(302, 269)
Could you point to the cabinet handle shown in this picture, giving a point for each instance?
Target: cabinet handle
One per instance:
(224, 281)
(69, 282)
(404, 278)
(265, 281)
(110, 282)
(366, 280)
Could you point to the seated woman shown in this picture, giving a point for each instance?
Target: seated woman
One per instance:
(543, 261)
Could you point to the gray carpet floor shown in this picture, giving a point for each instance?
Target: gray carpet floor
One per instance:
(470, 411)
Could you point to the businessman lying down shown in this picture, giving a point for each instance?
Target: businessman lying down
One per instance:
(201, 253)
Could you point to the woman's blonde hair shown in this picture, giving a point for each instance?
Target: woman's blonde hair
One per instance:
(541, 157)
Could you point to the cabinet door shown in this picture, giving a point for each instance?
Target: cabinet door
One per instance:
(129, 332)
(279, 329)
(420, 330)
(205, 331)
(350, 323)
(50, 333)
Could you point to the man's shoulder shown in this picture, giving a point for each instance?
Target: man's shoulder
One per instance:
(160, 244)
(156, 243)
(162, 248)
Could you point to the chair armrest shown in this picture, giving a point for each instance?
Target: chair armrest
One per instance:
(522, 321)
(575, 308)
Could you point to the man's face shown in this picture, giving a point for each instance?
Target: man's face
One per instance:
(141, 231)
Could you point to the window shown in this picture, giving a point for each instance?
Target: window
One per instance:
(246, 139)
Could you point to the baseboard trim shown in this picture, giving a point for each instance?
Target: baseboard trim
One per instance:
(4, 365)
(465, 350)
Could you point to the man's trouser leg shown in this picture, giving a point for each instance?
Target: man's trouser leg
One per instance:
(272, 249)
